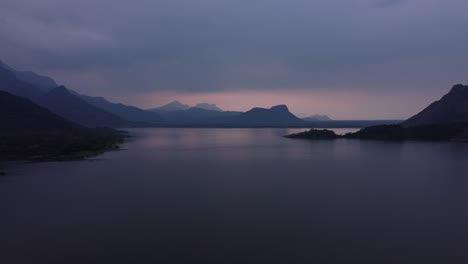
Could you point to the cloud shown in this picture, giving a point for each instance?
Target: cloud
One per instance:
(107, 46)
(3, 22)
(385, 3)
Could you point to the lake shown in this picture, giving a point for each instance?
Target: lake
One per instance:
(240, 196)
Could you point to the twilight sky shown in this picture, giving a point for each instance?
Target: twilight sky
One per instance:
(350, 59)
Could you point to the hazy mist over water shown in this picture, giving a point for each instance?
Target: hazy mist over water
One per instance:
(240, 196)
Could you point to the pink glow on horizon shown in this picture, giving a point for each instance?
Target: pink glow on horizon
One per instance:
(337, 105)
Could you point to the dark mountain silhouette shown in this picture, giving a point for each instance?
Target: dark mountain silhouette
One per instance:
(60, 101)
(172, 106)
(42, 82)
(443, 120)
(198, 116)
(130, 113)
(277, 115)
(314, 118)
(31, 132)
(11, 84)
(21, 116)
(207, 118)
(452, 108)
(97, 111)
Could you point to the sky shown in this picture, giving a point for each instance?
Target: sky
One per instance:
(349, 59)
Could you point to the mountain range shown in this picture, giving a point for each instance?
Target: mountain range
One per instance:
(56, 107)
(42, 82)
(20, 116)
(198, 117)
(127, 112)
(99, 112)
(92, 111)
(443, 120)
(62, 102)
(178, 106)
(279, 115)
(31, 132)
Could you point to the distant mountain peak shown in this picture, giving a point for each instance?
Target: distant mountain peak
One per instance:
(280, 108)
(316, 117)
(178, 106)
(207, 106)
(172, 106)
(276, 115)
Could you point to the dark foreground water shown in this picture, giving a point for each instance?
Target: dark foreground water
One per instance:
(240, 196)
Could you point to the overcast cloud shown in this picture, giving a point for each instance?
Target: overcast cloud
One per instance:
(202, 46)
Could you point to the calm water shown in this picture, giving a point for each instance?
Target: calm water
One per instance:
(240, 196)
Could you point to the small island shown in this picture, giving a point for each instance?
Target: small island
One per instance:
(446, 132)
(315, 134)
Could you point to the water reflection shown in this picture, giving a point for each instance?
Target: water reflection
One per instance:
(240, 196)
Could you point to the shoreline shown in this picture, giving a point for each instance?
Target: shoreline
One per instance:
(397, 133)
(37, 148)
